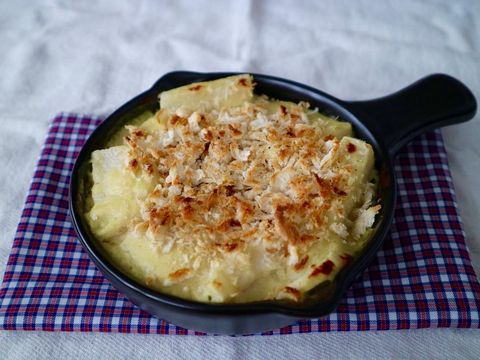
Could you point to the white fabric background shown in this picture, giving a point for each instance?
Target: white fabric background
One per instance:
(92, 56)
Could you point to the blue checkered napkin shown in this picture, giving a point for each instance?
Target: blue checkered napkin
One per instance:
(421, 278)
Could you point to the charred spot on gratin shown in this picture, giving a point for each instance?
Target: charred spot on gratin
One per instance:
(228, 196)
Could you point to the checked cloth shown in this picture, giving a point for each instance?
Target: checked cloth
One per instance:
(422, 277)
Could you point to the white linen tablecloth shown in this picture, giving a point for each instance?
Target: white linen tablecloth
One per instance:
(92, 56)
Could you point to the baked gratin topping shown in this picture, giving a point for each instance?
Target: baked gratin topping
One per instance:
(226, 196)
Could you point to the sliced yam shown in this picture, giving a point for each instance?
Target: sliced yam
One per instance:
(116, 193)
(357, 156)
(210, 95)
(221, 282)
(155, 124)
(108, 165)
(323, 263)
(275, 106)
(352, 162)
(163, 268)
(150, 266)
(329, 126)
(217, 288)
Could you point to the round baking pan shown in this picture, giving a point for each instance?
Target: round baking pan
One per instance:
(386, 123)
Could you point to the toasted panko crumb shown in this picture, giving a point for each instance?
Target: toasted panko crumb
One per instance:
(229, 178)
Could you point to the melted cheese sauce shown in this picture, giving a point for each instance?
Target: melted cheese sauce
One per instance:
(226, 196)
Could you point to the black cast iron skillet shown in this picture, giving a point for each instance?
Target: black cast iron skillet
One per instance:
(386, 123)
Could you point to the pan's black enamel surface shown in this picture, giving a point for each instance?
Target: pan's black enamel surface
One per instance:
(386, 123)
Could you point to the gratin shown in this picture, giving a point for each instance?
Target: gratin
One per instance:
(227, 196)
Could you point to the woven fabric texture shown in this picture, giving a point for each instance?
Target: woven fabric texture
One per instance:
(421, 278)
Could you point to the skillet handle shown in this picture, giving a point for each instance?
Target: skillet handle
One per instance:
(432, 102)
(179, 78)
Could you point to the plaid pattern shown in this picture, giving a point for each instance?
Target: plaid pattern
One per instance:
(421, 278)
